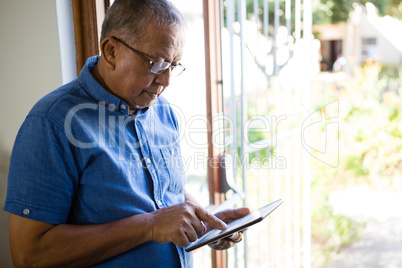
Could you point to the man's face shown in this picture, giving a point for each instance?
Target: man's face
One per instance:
(132, 80)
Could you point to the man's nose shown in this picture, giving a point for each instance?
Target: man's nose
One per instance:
(164, 78)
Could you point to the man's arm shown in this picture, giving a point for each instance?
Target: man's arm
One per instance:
(35, 243)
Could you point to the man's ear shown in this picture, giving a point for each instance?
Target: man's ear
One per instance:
(108, 51)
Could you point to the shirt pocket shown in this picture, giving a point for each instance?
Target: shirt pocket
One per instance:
(174, 165)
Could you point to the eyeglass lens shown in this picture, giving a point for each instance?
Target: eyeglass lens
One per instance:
(161, 66)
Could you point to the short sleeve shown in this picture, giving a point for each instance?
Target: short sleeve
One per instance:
(43, 173)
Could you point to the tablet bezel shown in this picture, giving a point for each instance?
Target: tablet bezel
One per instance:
(255, 217)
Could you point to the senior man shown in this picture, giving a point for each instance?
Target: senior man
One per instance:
(95, 176)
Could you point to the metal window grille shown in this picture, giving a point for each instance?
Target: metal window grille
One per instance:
(266, 63)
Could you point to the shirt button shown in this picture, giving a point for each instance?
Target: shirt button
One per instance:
(148, 160)
(123, 106)
(111, 107)
(26, 211)
(172, 152)
(160, 203)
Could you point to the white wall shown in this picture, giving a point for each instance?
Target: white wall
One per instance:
(376, 27)
(30, 68)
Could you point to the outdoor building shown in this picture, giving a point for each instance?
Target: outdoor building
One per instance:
(364, 36)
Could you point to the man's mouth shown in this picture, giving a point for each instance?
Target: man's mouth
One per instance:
(152, 95)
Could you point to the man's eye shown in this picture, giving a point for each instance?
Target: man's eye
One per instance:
(175, 63)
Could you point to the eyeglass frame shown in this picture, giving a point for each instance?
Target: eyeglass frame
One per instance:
(152, 63)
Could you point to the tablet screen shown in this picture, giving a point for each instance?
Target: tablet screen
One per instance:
(235, 226)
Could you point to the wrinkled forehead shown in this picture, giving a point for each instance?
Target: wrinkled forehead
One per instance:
(174, 33)
(168, 41)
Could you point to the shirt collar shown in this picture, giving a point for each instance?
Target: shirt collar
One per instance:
(97, 92)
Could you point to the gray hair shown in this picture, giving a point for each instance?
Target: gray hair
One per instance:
(128, 18)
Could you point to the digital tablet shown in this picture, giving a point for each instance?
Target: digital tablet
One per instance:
(235, 226)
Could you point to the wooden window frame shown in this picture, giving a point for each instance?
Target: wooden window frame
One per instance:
(213, 79)
(85, 31)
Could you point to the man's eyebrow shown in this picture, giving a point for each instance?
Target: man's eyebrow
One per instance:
(164, 58)
(155, 56)
(164, 55)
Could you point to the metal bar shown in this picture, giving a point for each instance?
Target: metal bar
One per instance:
(296, 205)
(306, 209)
(230, 20)
(276, 27)
(289, 143)
(307, 36)
(270, 245)
(278, 238)
(255, 10)
(297, 52)
(288, 11)
(276, 67)
(230, 11)
(266, 18)
(243, 109)
(289, 32)
(297, 19)
(266, 33)
(256, 41)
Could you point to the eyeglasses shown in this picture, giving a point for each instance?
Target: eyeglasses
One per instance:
(157, 67)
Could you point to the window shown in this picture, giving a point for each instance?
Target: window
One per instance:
(369, 48)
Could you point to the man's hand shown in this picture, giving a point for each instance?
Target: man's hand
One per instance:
(228, 216)
(182, 223)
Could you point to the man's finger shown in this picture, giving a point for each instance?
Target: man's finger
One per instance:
(235, 237)
(209, 218)
(233, 214)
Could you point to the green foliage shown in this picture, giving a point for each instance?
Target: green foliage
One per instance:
(255, 135)
(370, 142)
(334, 11)
(322, 12)
(371, 121)
(339, 9)
(395, 9)
(355, 164)
(330, 230)
(388, 71)
(336, 229)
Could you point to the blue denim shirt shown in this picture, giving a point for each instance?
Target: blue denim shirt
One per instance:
(80, 157)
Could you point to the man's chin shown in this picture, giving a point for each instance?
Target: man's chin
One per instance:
(142, 105)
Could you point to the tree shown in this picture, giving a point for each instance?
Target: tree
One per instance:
(334, 11)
